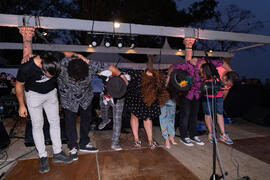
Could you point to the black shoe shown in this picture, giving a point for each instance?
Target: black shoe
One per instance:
(186, 141)
(44, 165)
(197, 140)
(89, 148)
(62, 158)
(73, 153)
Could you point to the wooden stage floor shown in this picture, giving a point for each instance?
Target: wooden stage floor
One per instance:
(141, 164)
(249, 156)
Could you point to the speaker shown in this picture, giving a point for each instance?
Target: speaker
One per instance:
(259, 115)
(29, 141)
(4, 138)
(239, 100)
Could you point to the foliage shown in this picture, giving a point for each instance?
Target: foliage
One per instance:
(231, 19)
(151, 12)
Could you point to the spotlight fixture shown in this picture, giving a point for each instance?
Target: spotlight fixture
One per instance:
(93, 40)
(119, 42)
(210, 50)
(180, 50)
(131, 42)
(107, 41)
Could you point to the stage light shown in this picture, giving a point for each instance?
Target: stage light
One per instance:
(132, 42)
(119, 42)
(93, 40)
(107, 41)
(116, 25)
(180, 50)
(210, 51)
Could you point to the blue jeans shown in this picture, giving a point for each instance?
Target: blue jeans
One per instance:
(208, 103)
(167, 119)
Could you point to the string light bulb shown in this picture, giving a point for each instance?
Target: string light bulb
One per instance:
(116, 25)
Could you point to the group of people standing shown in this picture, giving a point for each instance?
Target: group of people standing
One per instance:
(147, 97)
(7, 85)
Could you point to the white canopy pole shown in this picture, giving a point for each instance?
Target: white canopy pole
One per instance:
(9, 20)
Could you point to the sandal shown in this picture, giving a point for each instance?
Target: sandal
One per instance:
(153, 145)
(171, 138)
(137, 144)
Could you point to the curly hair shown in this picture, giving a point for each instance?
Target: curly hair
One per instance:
(153, 88)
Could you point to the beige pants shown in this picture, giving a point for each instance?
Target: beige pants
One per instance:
(36, 102)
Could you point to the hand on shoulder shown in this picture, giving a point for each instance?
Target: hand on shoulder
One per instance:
(27, 58)
(76, 55)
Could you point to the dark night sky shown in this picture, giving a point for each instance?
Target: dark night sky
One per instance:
(250, 64)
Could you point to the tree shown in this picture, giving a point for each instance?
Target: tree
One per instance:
(152, 12)
(232, 19)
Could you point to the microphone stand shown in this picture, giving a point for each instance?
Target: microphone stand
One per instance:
(216, 155)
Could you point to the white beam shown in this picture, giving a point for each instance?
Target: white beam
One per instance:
(85, 48)
(246, 47)
(231, 36)
(107, 27)
(86, 25)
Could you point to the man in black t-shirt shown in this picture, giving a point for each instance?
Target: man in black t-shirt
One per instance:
(37, 78)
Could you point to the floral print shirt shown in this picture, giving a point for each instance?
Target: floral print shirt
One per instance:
(193, 72)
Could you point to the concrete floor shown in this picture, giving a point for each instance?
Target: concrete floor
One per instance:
(198, 159)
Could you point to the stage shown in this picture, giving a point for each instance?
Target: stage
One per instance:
(249, 156)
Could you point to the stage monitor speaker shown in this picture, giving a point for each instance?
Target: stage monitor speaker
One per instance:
(258, 115)
(4, 138)
(29, 141)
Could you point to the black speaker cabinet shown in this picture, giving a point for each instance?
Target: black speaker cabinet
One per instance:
(4, 138)
(259, 115)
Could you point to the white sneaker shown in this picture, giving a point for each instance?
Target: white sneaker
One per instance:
(73, 153)
(186, 141)
(197, 140)
(102, 125)
(116, 147)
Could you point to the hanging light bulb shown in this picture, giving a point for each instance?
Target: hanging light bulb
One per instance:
(44, 33)
(116, 25)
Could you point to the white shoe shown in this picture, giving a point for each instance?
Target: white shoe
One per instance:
(102, 125)
(116, 147)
